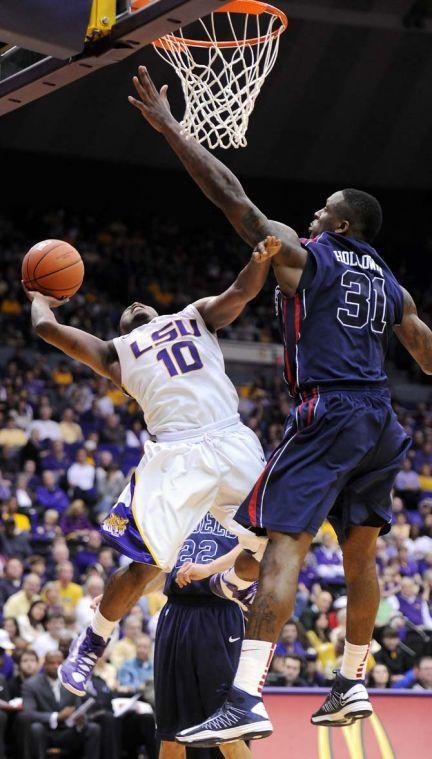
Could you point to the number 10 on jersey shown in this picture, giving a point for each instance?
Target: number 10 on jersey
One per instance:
(180, 358)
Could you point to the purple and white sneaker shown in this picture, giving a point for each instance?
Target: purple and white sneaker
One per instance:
(244, 598)
(84, 652)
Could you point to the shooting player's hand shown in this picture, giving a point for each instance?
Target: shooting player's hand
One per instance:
(266, 249)
(47, 299)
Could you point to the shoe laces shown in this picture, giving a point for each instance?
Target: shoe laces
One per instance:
(227, 716)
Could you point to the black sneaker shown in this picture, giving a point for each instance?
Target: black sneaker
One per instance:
(347, 701)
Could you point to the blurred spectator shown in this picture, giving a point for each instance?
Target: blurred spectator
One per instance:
(49, 495)
(49, 640)
(290, 672)
(288, 642)
(10, 624)
(134, 674)
(31, 625)
(28, 666)
(88, 556)
(75, 523)
(12, 435)
(393, 654)
(10, 583)
(312, 676)
(70, 592)
(62, 374)
(81, 477)
(320, 604)
(113, 431)
(46, 428)
(407, 484)
(83, 612)
(412, 605)
(328, 557)
(6, 662)
(47, 706)
(51, 596)
(19, 603)
(110, 481)
(125, 649)
(56, 460)
(12, 542)
(49, 527)
(70, 430)
(379, 676)
(423, 674)
(10, 511)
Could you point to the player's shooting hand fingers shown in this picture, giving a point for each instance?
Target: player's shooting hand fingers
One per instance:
(30, 295)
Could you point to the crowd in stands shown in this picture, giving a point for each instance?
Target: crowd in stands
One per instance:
(68, 442)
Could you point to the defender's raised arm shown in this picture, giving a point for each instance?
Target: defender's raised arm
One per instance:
(216, 181)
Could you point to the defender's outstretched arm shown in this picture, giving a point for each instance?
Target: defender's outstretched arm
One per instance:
(415, 335)
(99, 355)
(220, 310)
(217, 182)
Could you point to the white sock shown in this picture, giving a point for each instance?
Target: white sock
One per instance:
(102, 626)
(255, 659)
(354, 661)
(230, 576)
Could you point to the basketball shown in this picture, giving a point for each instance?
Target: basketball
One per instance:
(53, 267)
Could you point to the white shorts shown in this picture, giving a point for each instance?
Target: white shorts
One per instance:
(176, 483)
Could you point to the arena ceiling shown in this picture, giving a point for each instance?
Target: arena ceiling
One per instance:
(348, 102)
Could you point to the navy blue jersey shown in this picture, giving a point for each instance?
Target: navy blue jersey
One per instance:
(336, 328)
(207, 542)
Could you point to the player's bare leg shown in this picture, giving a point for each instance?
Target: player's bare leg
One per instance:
(237, 750)
(123, 590)
(348, 699)
(275, 598)
(362, 583)
(171, 750)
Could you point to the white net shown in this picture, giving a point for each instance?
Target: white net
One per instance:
(221, 78)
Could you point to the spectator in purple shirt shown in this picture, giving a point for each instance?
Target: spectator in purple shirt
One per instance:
(75, 522)
(49, 496)
(407, 484)
(411, 604)
(288, 642)
(408, 566)
(329, 561)
(57, 459)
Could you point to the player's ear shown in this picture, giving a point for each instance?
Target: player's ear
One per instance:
(343, 227)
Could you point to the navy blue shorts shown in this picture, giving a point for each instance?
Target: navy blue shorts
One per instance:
(196, 656)
(338, 460)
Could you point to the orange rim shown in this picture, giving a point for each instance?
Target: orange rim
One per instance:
(247, 7)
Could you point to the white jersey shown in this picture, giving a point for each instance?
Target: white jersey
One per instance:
(174, 368)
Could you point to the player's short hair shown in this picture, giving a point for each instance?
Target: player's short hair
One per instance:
(364, 211)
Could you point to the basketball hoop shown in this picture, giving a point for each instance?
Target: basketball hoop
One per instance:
(223, 68)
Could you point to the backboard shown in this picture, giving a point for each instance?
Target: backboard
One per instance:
(26, 75)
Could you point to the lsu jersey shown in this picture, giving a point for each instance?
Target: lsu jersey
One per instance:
(174, 368)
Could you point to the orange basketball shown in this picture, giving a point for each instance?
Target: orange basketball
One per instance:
(53, 267)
